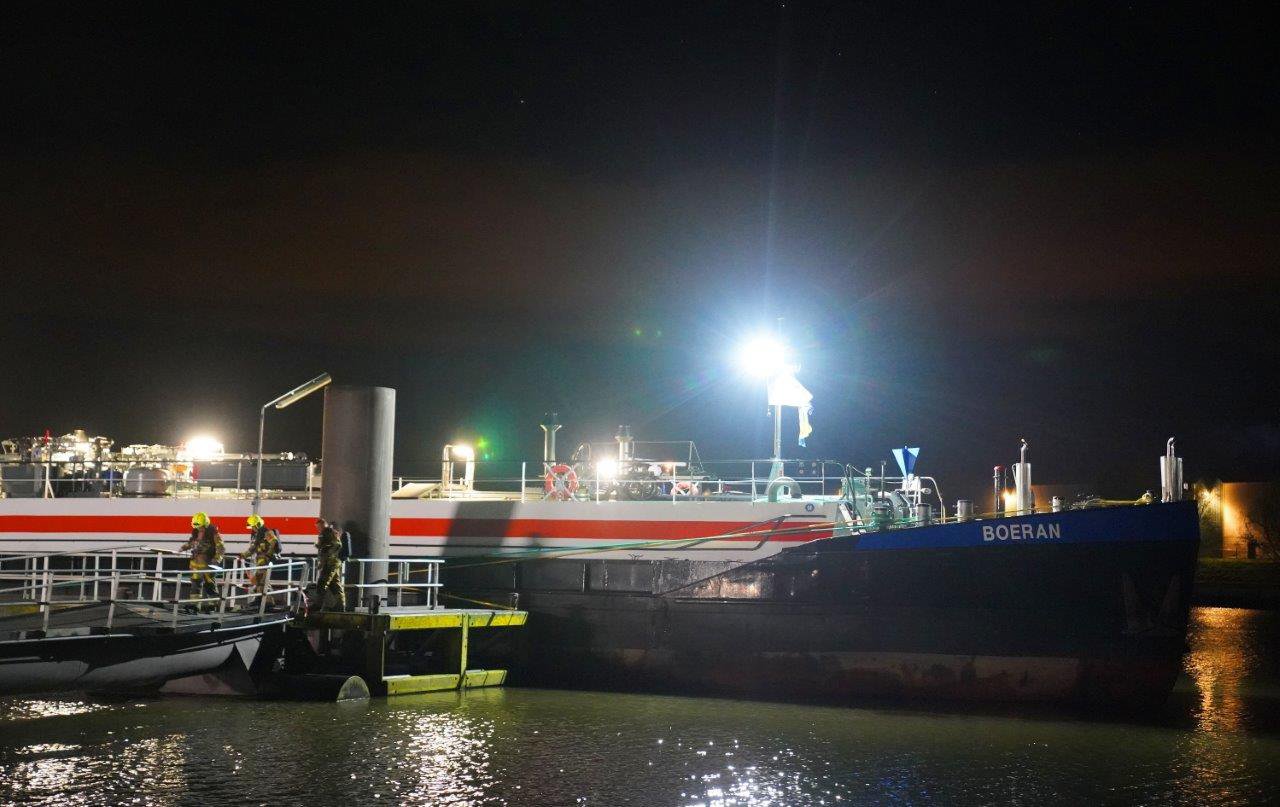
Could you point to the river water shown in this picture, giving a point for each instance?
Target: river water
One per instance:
(1217, 742)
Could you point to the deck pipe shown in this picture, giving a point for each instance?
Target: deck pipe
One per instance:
(1023, 496)
(1170, 474)
(356, 453)
(550, 425)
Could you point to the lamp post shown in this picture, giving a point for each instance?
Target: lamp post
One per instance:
(292, 396)
(775, 469)
(767, 357)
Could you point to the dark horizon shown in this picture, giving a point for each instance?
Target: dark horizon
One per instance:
(1059, 225)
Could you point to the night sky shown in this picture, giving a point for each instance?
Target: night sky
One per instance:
(977, 225)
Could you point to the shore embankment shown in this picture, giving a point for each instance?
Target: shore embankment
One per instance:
(1237, 583)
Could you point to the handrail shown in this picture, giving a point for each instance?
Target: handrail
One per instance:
(404, 571)
(511, 477)
(41, 583)
(139, 550)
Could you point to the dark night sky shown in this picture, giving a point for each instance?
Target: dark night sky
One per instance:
(978, 225)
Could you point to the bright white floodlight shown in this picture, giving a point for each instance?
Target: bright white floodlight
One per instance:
(763, 356)
(464, 452)
(203, 447)
(607, 469)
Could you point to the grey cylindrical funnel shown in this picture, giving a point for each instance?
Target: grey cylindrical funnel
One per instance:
(357, 446)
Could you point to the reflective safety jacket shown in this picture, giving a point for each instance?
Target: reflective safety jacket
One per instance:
(205, 543)
(263, 545)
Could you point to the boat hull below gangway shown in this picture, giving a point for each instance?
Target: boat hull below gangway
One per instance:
(143, 658)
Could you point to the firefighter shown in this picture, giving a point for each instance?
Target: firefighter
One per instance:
(329, 591)
(205, 546)
(264, 547)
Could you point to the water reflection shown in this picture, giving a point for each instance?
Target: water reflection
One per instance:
(1220, 661)
(1215, 763)
(16, 709)
(444, 759)
(1217, 745)
(66, 774)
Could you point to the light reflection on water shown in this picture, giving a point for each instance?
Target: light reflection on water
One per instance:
(1219, 666)
(1217, 743)
(52, 707)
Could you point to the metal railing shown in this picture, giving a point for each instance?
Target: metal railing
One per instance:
(649, 480)
(676, 479)
(139, 577)
(417, 575)
(55, 479)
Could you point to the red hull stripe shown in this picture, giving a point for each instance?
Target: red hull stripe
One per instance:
(419, 527)
(576, 528)
(150, 525)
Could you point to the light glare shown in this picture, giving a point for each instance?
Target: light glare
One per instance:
(203, 447)
(763, 356)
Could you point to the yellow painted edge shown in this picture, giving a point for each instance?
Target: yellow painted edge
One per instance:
(484, 678)
(409, 684)
(425, 621)
(498, 619)
(428, 621)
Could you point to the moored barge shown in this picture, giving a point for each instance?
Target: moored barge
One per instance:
(655, 571)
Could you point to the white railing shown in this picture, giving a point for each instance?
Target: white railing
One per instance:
(648, 480)
(139, 577)
(418, 575)
(675, 479)
(164, 478)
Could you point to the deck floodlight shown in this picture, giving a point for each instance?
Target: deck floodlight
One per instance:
(291, 397)
(464, 453)
(763, 356)
(607, 469)
(203, 447)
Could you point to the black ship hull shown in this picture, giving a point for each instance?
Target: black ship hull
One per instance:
(1085, 606)
(126, 660)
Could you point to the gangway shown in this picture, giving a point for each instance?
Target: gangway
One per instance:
(415, 645)
(119, 619)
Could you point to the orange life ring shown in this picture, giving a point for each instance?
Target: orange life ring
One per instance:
(560, 483)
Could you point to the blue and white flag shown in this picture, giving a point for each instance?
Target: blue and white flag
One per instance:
(785, 390)
(906, 457)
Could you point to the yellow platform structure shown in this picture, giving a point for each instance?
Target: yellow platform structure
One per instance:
(377, 628)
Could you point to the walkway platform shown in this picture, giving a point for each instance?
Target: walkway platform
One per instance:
(411, 618)
(410, 638)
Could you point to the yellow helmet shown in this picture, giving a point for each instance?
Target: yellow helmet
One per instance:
(254, 521)
(200, 520)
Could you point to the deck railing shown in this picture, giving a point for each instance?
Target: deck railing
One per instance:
(415, 575)
(640, 480)
(662, 478)
(143, 478)
(139, 576)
